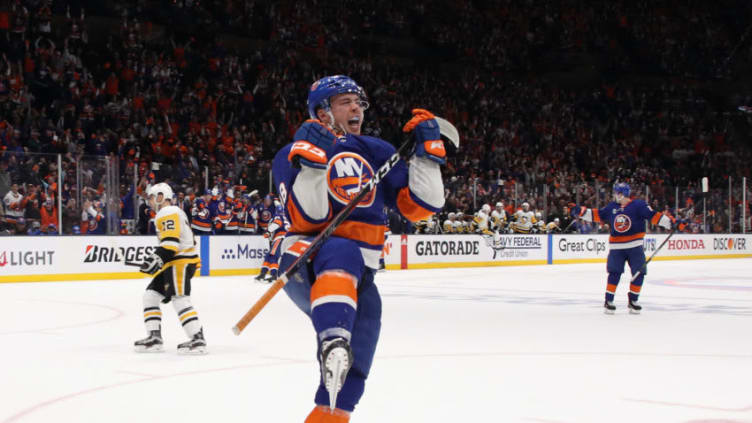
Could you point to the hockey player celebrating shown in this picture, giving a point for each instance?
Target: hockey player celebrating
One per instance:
(626, 218)
(201, 216)
(317, 176)
(275, 233)
(173, 264)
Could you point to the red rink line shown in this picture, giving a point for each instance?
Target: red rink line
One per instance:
(118, 314)
(21, 414)
(697, 406)
(18, 416)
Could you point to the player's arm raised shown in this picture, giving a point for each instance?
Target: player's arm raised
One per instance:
(420, 190)
(308, 205)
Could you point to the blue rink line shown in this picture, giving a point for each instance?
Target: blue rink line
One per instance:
(205, 265)
(550, 254)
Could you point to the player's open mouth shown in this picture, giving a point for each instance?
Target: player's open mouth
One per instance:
(354, 123)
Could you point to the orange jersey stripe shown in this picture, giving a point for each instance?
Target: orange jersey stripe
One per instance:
(334, 283)
(363, 232)
(617, 239)
(409, 208)
(656, 217)
(596, 216)
(298, 248)
(298, 223)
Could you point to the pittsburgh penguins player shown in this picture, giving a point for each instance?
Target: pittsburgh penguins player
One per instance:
(173, 264)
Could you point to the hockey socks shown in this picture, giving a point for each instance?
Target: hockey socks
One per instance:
(187, 315)
(334, 300)
(613, 282)
(324, 414)
(152, 312)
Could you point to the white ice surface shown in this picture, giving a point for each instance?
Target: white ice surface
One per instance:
(506, 344)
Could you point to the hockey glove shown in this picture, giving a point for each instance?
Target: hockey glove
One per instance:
(427, 136)
(312, 144)
(582, 212)
(152, 264)
(680, 225)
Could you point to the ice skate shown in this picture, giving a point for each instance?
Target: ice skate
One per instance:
(269, 278)
(152, 343)
(634, 307)
(197, 345)
(609, 307)
(336, 360)
(260, 277)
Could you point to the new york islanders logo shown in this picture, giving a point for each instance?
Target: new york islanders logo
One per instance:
(347, 174)
(622, 223)
(266, 216)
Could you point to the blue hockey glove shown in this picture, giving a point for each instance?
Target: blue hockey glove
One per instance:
(427, 136)
(312, 144)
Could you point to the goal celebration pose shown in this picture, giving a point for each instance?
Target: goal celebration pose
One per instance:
(317, 175)
(626, 217)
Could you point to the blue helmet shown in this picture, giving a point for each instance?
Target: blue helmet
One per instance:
(329, 86)
(622, 188)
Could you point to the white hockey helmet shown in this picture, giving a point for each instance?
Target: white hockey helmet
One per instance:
(526, 205)
(538, 215)
(556, 220)
(161, 188)
(486, 208)
(451, 215)
(499, 205)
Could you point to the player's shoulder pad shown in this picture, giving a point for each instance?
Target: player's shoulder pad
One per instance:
(376, 146)
(169, 210)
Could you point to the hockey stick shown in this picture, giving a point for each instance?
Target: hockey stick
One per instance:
(574, 219)
(645, 265)
(447, 129)
(673, 231)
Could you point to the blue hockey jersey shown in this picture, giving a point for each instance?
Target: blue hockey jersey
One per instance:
(264, 215)
(627, 223)
(416, 191)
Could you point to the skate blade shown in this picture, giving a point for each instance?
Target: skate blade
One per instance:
(336, 366)
(143, 349)
(194, 351)
(609, 312)
(633, 311)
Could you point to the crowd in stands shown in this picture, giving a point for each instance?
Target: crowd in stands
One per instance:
(555, 102)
